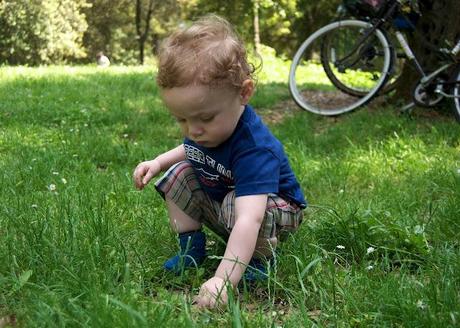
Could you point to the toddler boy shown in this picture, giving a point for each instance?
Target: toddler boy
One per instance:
(230, 173)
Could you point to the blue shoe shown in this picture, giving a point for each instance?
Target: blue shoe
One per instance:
(192, 252)
(257, 270)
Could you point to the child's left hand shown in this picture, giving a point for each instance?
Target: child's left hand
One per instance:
(212, 293)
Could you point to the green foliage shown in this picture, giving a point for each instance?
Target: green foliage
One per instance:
(47, 31)
(51, 31)
(111, 30)
(283, 24)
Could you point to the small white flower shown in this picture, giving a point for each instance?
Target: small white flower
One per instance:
(421, 305)
(341, 191)
(85, 125)
(419, 229)
(64, 181)
(34, 206)
(52, 187)
(369, 267)
(55, 173)
(340, 247)
(370, 250)
(458, 171)
(125, 135)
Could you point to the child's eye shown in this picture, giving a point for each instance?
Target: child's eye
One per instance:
(180, 120)
(207, 118)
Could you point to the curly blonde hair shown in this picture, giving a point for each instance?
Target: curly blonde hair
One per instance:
(209, 52)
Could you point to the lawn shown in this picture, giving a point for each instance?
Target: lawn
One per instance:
(379, 245)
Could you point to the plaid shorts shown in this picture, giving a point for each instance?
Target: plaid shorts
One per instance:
(180, 184)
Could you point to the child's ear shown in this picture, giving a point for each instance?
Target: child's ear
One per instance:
(247, 90)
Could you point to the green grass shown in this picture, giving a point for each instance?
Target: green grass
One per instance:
(89, 251)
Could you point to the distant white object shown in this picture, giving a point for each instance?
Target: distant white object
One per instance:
(102, 60)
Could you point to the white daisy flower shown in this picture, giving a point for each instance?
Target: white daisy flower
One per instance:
(340, 247)
(370, 250)
(421, 305)
(52, 187)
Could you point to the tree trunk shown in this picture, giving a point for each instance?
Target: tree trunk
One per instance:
(437, 28)
(142, 34)
(256, 26)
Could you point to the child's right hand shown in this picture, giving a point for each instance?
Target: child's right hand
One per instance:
(144, 172)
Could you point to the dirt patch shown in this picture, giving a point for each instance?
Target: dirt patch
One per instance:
(8, 321)
(279, 112)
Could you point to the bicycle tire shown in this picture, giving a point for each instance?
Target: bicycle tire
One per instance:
(328, 48)
(325, 104)
(398, 61)
(456, 93)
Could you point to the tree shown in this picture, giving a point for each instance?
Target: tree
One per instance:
(436, 28)
(283, 24)
(143, 20)
(45, 31)
(143, 16)
(110, 30)
(256, 26)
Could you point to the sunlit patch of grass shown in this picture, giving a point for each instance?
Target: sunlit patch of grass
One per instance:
(312, 73)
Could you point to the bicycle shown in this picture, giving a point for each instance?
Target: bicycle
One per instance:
(347, 63)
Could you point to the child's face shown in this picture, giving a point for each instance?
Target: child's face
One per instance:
(208, 116)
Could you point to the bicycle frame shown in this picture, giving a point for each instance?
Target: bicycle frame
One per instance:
(361, 57)
(388, 14)
(426, 79)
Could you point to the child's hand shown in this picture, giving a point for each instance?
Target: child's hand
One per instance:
(212, 293)
(144, 172)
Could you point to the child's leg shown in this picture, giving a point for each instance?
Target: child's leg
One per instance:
(184, 199)
(179, 220)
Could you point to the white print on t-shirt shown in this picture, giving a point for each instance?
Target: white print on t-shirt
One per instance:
(194, 154)
(208, 175)
(210, 161)
(225, 172)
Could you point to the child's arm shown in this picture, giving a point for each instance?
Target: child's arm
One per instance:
(250, 212)
(145, 171)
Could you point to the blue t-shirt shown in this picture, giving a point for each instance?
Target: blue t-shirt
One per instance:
(251, 162)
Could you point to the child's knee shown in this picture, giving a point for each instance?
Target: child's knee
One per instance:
(182, 170)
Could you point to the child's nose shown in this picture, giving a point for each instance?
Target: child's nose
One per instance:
(195, 131)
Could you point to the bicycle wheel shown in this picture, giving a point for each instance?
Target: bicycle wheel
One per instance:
(371, 56)
(309, 83)
(456, 93)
